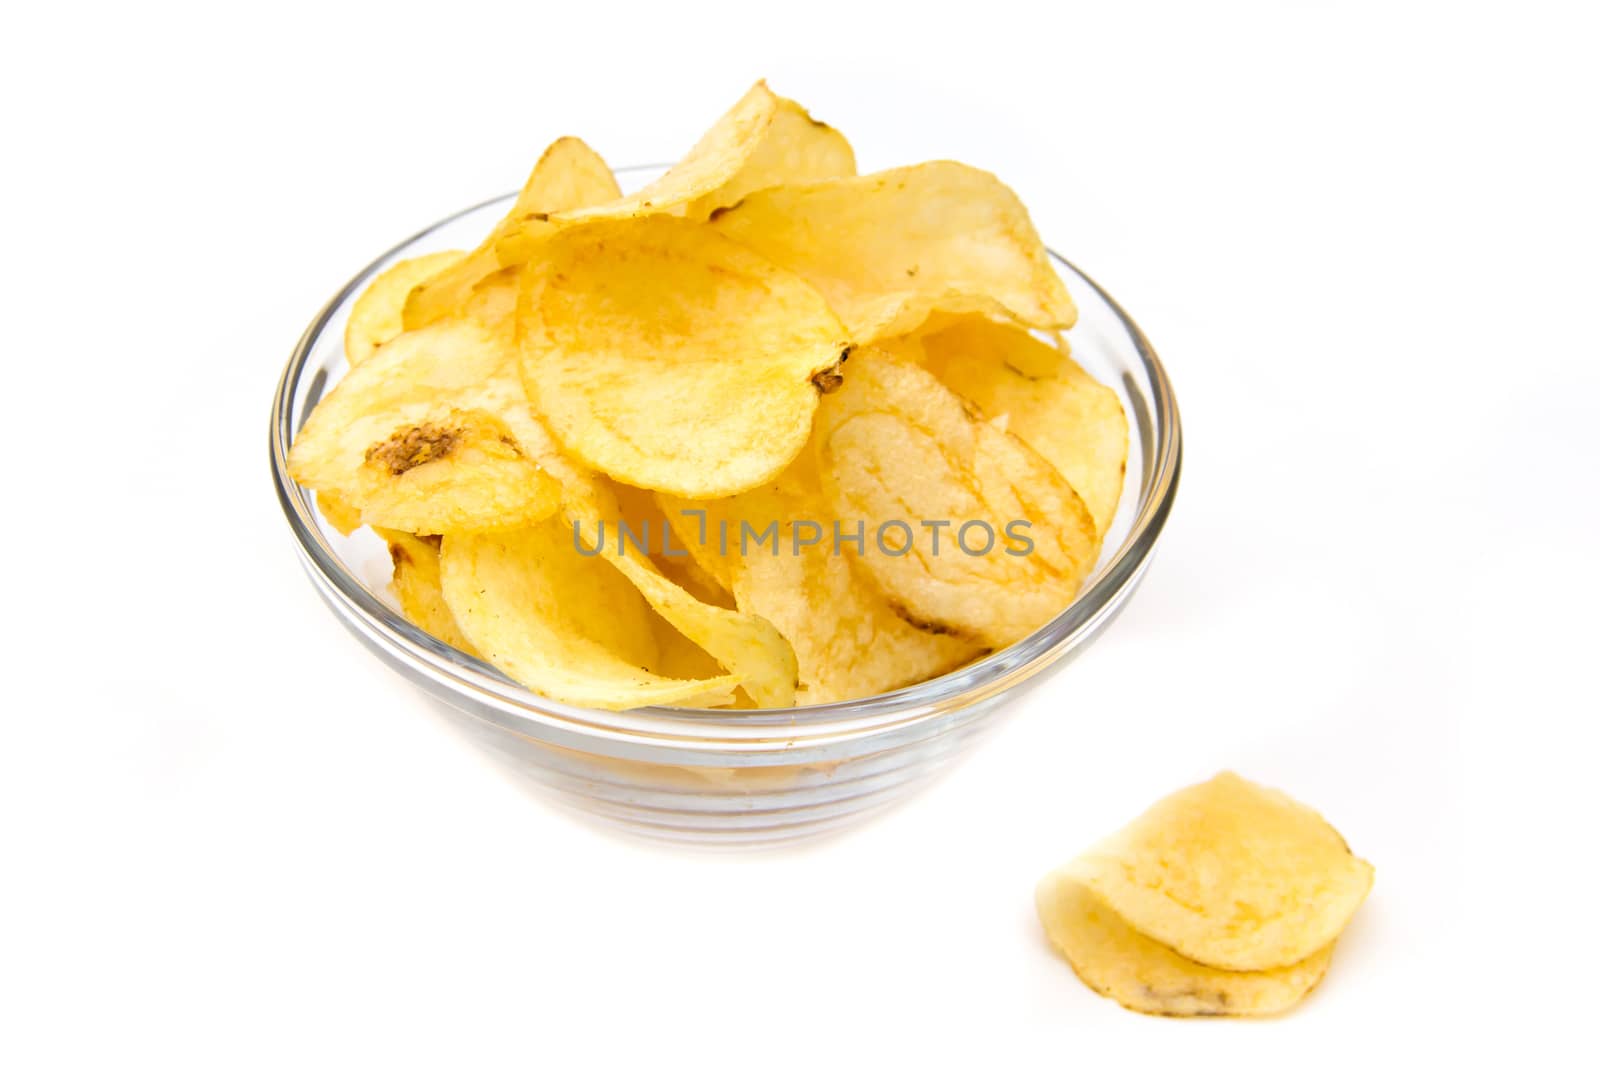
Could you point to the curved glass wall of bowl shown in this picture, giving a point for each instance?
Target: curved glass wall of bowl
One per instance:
(730, 777)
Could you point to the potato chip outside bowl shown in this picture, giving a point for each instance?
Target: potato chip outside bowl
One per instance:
(724, 776)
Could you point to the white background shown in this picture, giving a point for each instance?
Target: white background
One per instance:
(1364, 239)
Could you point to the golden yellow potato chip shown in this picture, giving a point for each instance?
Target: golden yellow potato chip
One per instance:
(679, 657)
(1117, 961)
(1019, 348)
(416, 586)
(569, 175)
(340, 513)
(642, 510)
(696, 534)
(671, 358)
(492, 302)
(1067, 417)
(563, 624)
(847, 639)
(794, 148)
(968, 531)
(377, 315)
(429, 435)
(444, 294)
(751, 649)
(687, 572)
(763, 140)
(888, 249)
(598, 356)
(1230, 874)
(906, 348)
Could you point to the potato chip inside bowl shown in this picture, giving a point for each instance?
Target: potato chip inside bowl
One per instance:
(669, 357)
(624, 356)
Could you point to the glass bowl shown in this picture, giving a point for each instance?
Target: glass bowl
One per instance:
(737, 777)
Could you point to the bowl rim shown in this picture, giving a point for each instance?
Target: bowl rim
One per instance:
(723, 729)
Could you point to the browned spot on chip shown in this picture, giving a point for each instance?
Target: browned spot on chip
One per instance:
(412, 447)
(830, 378)
(398, 554)
(936, 628)
(827, 380)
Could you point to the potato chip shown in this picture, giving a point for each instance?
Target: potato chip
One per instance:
(752, 650)
(795, 148)
(848, 641)
(1058, 410)
(1019, 348)
(679, 657)
(888, 249)
(905, 348)
(569, 175)
(750, 647)
(444, 294)
(901, 453)
(1117, 961)
(416, 586)
(599, 356)
(428, 436)
(697, 536)
(563, 624)
(377, 315)
(687, 572)
(763, 140)
(671, 358)
(643, 511)
(492, 303)
(340, 513)
(1231, 875)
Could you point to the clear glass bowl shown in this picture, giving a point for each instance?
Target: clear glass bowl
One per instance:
(737, 777)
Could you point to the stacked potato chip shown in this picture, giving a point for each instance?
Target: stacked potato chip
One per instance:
(758, 336)
(1225, 898)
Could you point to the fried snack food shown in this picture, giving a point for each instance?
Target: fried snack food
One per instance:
(427, 436)
(887, 250)
(1140, 973)
(753, 652)
(378, 315)
(763, 140)
(760, 338)
(643, 513)
(1043, 398)
(1225, 898)
(568, 625)
(896, 446)
(671, 358)
(342, 515)
(1230, 874)
(568, 175)
(849, 640)
(416, 586)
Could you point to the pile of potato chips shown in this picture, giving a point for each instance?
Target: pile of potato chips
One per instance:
(761, 337)
(1225, 898)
